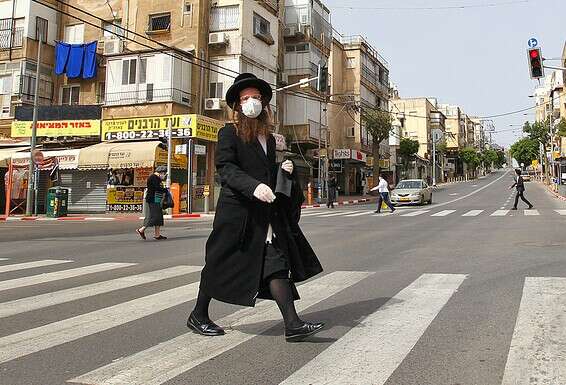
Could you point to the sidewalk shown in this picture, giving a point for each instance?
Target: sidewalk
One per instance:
(104, 217)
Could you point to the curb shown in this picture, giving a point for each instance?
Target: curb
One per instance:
(343, 203)
(556, 195)
(100, 219)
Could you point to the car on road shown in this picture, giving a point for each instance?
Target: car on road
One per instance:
(411, 191)
(526, 176)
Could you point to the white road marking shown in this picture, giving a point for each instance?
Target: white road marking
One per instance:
(4, 259)
(415, 213)
(58, 275)
(473, 213)
(167, 360)
(370, 352)
(362, 213)
(31, 265)
(454, 194)
(561, 212)
(54, 298)
(499, 213)
(382, 214)
(314, 214)
(443, 213)
(44, 337)
(531, 213)
(538, 348)
(502, 207)
(337, 214)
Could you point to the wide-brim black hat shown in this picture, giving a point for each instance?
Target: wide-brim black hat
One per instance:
(247, 80)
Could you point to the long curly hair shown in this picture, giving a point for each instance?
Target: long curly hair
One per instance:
(247, 128)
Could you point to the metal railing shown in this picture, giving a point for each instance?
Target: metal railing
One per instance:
(360, 40)
(11, 38)
(149, 95)
(26, 90)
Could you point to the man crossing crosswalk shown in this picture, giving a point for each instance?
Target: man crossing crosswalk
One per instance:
(370, 350)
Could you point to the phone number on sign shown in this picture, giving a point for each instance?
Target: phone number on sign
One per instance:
(132, 207)
(147, 134)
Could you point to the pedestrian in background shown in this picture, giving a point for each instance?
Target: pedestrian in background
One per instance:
(154, 197)
(256, 248)
(520, 185)
(382, 189)
(331, 193)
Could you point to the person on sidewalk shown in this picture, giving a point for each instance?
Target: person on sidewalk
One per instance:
(520, 185)
(153, 215)
(256, 248)
(331, 193)
(382, 189)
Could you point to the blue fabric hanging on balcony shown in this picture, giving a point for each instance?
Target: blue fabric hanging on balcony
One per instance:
(61, 57)
(89, 61)
(75, 62)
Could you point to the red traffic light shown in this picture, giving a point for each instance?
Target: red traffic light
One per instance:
(534, 53)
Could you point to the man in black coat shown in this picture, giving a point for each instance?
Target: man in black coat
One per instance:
(520, 185)
(256, 248)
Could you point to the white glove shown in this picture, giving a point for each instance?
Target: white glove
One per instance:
(287, 166)
(264, 193)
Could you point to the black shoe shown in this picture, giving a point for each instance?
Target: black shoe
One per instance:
(303, 331)
(531, 207)
(209, 328)
(514, 208)
(393, 210)
(377, 212)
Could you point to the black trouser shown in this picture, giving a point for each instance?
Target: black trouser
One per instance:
(384, 196)
(520, 195)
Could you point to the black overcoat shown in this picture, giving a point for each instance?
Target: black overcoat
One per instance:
(235, 249)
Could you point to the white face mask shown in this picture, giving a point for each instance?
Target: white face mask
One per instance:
(252, 108)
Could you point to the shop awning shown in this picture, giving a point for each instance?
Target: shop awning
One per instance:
(68, 159)
(126, 155)
(7, 153)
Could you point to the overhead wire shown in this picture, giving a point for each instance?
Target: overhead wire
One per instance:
(448, 7)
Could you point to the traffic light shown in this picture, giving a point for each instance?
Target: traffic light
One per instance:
(322, 84)
(535, 63)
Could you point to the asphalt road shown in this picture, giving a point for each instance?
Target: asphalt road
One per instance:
(461, 292)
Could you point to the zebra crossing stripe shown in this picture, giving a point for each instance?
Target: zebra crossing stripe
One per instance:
(415, 213)
(360, 214)
(538, 347)
(370, 352)
(44, 337)
(54, 298)
(499, 213)
(561, 212)
(58, 275)
(313, 214)
(337, 214)
(31, 265)
(473, 213)
(169, 359)
(443, 213)
(531, 213)
(3, 259)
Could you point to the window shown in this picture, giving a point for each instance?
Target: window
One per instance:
(188, 8)
(160, 22)
(224, 18)
(350, 62)
(143, 70)
(41, 29)
(74, 34)
(216, 90)
(129, 71)
(262, 29)
(113, 29)
(101, 92)
(351, 131)
(70, 95)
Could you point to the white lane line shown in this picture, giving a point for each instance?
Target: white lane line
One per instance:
(561, 212)
(3, 259)
(314, 214)
(362, 213)
(31, 265)
(443, 213)
(499, 213)
(44, 337)
(473, 213)
(370, 352)
(167, 360)
(531, 213)
(538, 347)
(54, 298)
(454, 194)
(58, 275)
(337, 214)
(415, 213)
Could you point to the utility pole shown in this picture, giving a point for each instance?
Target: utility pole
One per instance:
(31, 170)
(433, 160)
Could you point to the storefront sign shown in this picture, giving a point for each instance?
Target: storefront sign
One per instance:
(141, 175)
(200, 149)
(335, 165)
(182, 126)
(65, 159)
(124, 199)
(56, 128)
(342, 153)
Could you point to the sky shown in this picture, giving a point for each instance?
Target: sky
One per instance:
(473, 57)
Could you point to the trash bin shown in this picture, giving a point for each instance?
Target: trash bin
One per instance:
(57, 202)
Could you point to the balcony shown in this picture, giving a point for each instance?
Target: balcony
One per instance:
(361, 41)
(149, 95)
(310, 23)
(11, 38)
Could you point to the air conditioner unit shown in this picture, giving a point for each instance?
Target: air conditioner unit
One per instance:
(218, 38)
(113, 47)
(290, 31)
(212, 104)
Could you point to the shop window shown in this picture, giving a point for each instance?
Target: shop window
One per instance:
(70, 95)
(160, 22)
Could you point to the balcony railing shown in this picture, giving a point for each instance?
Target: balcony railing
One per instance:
(27, 90)
(149, 95)
(11, 38)
(360, 40)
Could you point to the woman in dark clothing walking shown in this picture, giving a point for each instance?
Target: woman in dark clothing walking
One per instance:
(256, 248)
(331, 192)
(154, 202)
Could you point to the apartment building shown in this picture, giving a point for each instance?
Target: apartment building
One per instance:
(22, 23)
(456, 138)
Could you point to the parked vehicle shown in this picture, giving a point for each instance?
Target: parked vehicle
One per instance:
(526, 176)
(411, 191)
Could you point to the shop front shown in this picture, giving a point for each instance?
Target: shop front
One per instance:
(349, 167)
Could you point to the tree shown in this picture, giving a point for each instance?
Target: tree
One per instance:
(525, 150)
(378, 126)
(407, 150)
(539, 131)
(561, 127)
(488, 158)
(500, 159)
(470, 157)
